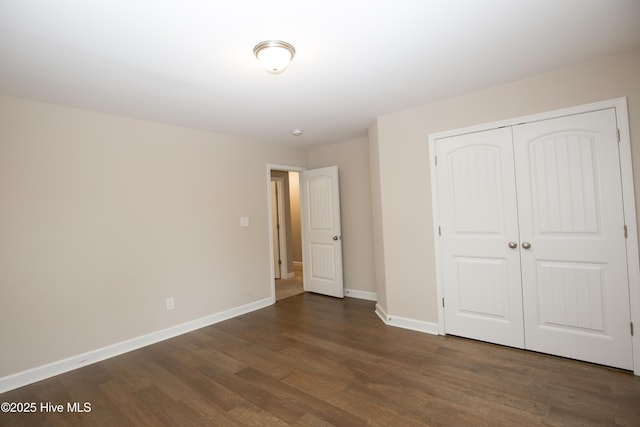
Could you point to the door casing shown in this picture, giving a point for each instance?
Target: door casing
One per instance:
(278, 230)
(633, 259)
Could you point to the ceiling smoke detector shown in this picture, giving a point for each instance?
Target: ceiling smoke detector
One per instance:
(296, 132)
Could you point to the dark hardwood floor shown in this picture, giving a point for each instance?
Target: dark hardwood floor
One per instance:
(318, 361)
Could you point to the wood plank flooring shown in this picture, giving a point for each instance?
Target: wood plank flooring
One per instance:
(311, 360)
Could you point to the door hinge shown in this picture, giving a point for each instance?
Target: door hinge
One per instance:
(279, 262)
(443, 304)
(436, 160)
(618, 134)
(626, 232)
(439, 231)
(631, 324)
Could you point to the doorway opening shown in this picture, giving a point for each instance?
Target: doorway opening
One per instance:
(286, 232)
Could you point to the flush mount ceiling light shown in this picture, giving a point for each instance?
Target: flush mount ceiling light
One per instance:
(274, 55)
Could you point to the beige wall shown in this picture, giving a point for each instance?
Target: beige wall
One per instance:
(400, 154)
(352, 159)
(103, 217)
(376, 207)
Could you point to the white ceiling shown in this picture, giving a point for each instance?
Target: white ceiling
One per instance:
(190, 62)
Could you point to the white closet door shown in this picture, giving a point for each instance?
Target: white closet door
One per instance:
(477, 203)
(575, 290)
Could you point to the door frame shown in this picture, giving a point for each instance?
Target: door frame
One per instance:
(629, 205)
(274, 167)
(282, 231)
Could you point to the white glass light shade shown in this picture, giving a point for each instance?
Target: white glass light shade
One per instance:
(274, 55)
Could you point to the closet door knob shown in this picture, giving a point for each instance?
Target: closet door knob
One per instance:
(526, 245)
(513, 245)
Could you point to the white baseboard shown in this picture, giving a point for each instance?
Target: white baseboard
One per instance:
(354, 293)
(297, 263)
(74, 362)
(290, 275)
(405, 323)
(381, 313)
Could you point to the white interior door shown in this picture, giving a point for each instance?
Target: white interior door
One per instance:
(574, 270)
(481, 272)
(321, 231)
(547, 269)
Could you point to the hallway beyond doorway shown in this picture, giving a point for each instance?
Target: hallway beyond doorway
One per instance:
(286, 288)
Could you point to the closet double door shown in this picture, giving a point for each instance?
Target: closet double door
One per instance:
(532, 238)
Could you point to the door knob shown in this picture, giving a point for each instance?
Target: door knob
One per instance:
(336, 237)
(513, 245)
(526, 245)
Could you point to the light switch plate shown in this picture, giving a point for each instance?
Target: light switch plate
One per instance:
(244, 221)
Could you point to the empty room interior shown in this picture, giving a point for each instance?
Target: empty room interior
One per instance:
(326, 213)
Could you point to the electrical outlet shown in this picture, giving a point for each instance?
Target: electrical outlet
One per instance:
(169, 304)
